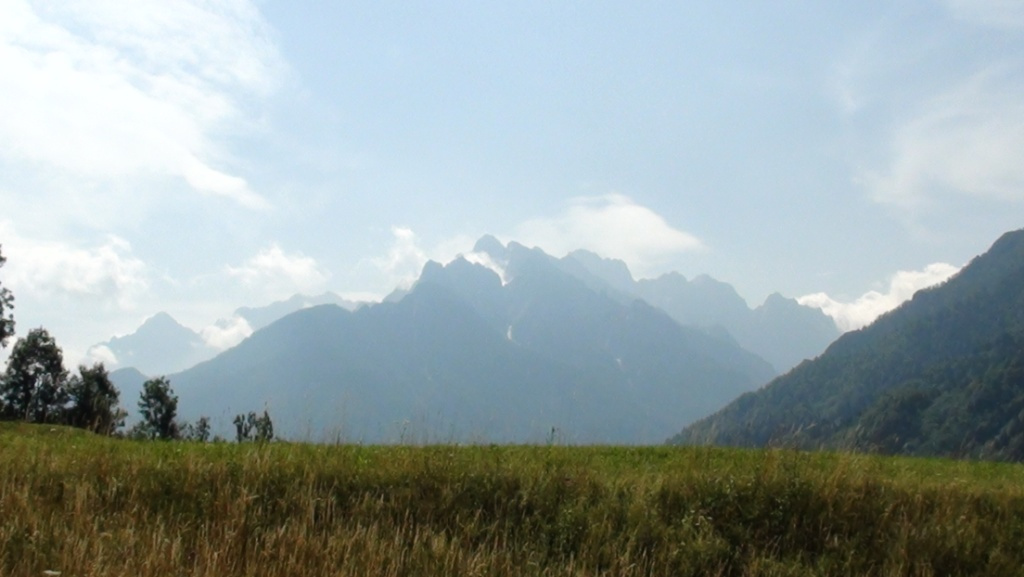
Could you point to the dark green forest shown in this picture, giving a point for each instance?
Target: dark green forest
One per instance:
(942, 375)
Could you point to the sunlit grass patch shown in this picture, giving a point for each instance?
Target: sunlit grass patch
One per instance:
(88, 505)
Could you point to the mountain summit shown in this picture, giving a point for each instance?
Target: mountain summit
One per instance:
(781, 330)
(161, 345)
(465, 356)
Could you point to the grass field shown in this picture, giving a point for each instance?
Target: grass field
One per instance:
(82, 505)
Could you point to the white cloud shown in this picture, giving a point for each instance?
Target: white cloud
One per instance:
(277, 275)
(107, 273)
(226, 333)
(80, 291)
(869, 306)
(108, 89)
(485, 260)
(613, 226)
(100, 354)
(968, 141)
(404, 260)
(207, 179)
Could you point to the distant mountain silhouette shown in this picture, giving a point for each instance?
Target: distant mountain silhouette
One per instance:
(785, 332)
(259, 317)
(781, 331)
(943, 374)
(465, 356)
(160, 345)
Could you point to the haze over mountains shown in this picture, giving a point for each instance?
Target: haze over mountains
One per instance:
(466, 356)
(781, 331)
(162, 346)
(506, 344)
(941, 375)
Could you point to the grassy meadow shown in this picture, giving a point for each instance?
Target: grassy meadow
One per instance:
(82, 505)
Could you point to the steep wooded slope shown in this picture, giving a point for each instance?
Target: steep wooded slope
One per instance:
(941, 375)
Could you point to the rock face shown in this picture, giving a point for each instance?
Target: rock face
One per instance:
(468, 356)
(941, 375)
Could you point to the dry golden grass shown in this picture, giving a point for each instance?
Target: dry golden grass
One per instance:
(87, 506)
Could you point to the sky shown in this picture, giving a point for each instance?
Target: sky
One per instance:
(197, 156)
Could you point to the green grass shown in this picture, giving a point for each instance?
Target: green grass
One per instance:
(85, 505)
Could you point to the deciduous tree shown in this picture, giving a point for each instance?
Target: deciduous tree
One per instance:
(198, 431)
(94, 401)
(254, 428)
(34, 386)
(159, 408)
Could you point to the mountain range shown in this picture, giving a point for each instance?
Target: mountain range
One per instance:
(943, 374)
(506, 344)
(162, 345)
(466, 356)
(781, 330)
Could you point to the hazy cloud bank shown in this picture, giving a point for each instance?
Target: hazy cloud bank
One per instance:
(226, 333)
(401, 265)
(274, 274)
(108, 89)
(967, 141)
(863, 310)
(106, 273)
(613, 226)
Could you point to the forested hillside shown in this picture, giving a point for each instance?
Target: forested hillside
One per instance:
(941, 375)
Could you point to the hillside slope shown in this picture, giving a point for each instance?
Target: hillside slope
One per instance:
(941, 375)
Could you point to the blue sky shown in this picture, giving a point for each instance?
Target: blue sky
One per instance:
(195, 156)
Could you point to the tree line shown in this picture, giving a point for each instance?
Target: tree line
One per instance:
(36, 388)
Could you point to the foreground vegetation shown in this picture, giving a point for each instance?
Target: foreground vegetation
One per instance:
(80, 504)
